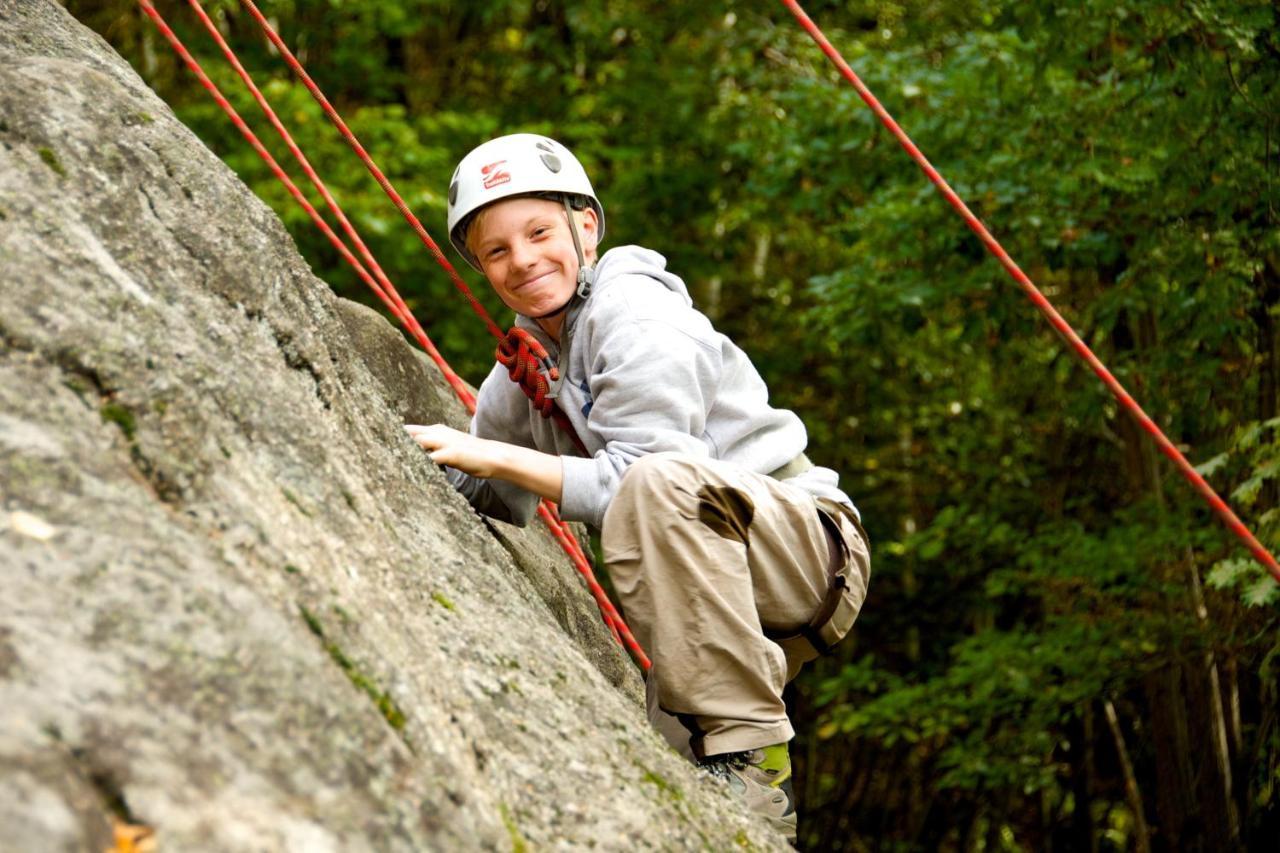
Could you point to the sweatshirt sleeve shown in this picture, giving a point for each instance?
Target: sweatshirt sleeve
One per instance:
(653, 379)
(501, 416)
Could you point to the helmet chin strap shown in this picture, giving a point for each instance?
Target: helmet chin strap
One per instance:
(586, 274)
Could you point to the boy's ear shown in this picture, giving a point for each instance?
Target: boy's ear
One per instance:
(590, 227)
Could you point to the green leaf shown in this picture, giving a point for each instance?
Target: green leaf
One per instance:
(1263, 591)
(1229, 572)
(931, 549)
(1208, 467)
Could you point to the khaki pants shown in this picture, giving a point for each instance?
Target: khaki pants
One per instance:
(705, 557)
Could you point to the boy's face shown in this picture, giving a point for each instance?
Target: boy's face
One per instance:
(526, 251)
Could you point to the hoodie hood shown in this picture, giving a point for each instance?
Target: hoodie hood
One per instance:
(613, 266)
(637, 260)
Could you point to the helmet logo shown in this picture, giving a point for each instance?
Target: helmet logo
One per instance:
(493, 176)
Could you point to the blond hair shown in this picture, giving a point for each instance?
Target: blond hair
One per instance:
(474, 226)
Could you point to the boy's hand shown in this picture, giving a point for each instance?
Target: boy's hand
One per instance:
(540, 473)
(478, 457)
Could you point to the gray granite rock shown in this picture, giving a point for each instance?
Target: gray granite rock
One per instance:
(240, 606)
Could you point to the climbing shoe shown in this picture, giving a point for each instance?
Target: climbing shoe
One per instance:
(762, 777)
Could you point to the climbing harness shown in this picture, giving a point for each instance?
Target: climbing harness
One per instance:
(519, 351)
(1061, 326)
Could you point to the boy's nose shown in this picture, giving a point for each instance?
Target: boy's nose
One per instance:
(521, 255)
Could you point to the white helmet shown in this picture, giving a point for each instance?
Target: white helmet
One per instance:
(516, 165)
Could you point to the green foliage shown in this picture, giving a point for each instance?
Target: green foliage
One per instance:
(1254, 453)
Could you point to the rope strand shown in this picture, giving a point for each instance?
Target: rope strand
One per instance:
(1061, 326)
(377, 280)
(529, 388)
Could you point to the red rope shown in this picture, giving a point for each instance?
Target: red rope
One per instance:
(1060, 325)
(378, 281)
(525, 358)
(319, 221)
(384, 288)
(522, 355)
(528, 387)
(352, 141)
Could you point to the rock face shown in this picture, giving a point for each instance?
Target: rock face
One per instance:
(240, 606)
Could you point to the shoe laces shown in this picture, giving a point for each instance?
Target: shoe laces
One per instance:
(715, 769)
(717, 764)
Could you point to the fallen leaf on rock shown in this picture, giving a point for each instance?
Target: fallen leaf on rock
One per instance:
(130, 838)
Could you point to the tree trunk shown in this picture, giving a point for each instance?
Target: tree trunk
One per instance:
(1142, 838)
(1232, 675)
(1208, 794)
(1227, 818)
(1080, 835)
(1177, 810)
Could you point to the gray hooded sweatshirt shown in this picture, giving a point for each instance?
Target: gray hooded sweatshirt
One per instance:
(642, 371)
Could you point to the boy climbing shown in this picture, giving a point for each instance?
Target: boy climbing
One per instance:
(735, 559)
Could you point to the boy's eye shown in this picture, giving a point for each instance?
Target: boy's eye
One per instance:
(540, 230)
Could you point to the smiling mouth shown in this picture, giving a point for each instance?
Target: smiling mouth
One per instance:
(536, 278)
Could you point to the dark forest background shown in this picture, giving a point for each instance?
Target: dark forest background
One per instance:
(1062, 649)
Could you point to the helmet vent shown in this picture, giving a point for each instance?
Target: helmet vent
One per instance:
(552, 162)
(545, 145)
(453, 193)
